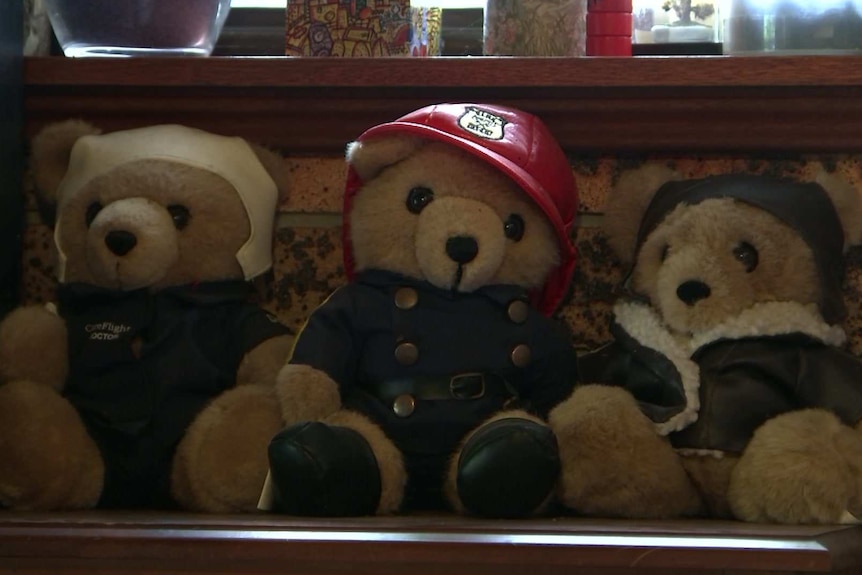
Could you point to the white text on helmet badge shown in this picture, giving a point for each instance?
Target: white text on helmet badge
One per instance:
(483, 123)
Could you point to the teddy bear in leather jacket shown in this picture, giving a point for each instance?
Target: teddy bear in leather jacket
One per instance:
(729, 392)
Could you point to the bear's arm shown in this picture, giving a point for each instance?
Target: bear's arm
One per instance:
(653, 379)
(553, 374)
(262, 363)
(34, 346)
(327, 341)
(831, 378)
(262, 343)
(792, 370)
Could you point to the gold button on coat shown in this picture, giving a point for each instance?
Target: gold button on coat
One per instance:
(406, 298)
(404, 405)
(518, 311)
(521, 355)
(406, 353)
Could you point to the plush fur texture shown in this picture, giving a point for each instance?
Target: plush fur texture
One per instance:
(36, 420)
(134, 197)
(697, 242)
(235, 428)
(316, 399)
(47, 460)
(848, 204)
(34, 346)
(602, 430)
(50, 155)
(799, 467)
(812, 464)
(622, 219)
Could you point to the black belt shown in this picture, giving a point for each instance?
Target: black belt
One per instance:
(462, 386)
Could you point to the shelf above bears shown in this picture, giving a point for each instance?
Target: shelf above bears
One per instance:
(596, 105)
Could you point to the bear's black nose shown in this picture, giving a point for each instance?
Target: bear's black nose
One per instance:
(462, 249)
(120, 242)
(692, 291)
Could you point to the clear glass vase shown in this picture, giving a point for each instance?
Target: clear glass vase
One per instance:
(793, 27)
(137, 27)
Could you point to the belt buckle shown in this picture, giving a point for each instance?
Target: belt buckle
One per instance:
(461, 383)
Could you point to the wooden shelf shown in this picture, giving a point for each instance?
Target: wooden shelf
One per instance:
(688, 106)
(794, 104)
(101, 542)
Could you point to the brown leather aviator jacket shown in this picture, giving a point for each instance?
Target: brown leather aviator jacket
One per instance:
(711, 391)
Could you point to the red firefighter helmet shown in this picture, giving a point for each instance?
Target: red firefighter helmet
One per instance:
(516, 143)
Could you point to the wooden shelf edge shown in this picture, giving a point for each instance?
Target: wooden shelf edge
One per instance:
(425, 545)
(760, 105)
(471, 72)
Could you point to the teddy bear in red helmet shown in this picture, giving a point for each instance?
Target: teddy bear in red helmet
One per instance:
(425, 382)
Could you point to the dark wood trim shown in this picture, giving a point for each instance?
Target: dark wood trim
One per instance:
(144, 543)
(12, 157)
(722, 72)
(594, 105)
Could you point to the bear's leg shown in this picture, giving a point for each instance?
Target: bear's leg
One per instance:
(800, 467)
(508, 467)
(614, 462)
(220, 465)
(47, 459)
(711, 475)
(341, 466)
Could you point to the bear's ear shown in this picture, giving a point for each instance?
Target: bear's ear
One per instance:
(627, 202)
(369, 158)
(50, 151)
(273, 163)
(845, 197)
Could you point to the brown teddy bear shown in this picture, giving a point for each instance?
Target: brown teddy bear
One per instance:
(157, 232)
(732, 394)
(428, 377)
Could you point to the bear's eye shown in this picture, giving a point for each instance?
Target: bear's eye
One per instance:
(418, 198)
(513, 227)
(180, 215)
(92, 211)
(747, 255)
(664, 252)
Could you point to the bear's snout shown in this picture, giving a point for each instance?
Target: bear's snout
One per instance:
(120, 242)
(462, 249)
(692, 291)
(132, 243)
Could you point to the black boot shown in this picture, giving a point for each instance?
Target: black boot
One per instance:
(508, 468)
(325, 471)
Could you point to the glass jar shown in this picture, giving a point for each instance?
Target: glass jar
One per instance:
(535, 27)
(676, 21)
(793, 27)
(137, 27)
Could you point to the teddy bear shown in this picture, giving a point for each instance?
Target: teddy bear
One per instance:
(726, 390)
(159, 232)
(425, 381)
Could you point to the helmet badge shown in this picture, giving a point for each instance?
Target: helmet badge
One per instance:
(482, 123)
